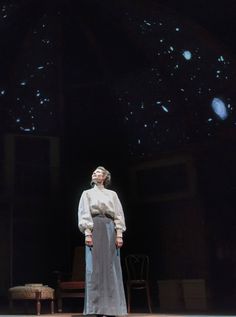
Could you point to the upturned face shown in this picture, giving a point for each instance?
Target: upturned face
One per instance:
(98, 176)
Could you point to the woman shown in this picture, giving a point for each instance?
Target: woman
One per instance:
(101, 219)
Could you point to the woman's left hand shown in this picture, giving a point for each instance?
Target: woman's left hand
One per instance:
(119, 242)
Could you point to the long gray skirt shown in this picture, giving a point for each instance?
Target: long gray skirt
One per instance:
(104, 290)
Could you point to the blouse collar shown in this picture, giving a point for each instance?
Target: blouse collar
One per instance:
(99, 186)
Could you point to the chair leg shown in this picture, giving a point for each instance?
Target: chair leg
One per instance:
(59, 300)
(11, 304)
(59, 304)
(128, 297)
(148, 298)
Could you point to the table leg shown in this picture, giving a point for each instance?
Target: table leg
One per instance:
(38, 304)
(52, 306)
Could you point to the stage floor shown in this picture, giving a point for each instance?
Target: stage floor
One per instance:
(129, 315)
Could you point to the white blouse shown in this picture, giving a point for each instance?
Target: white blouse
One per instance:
(99, 200)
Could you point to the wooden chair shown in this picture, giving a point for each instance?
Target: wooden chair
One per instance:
(75, 285)
(137, 267)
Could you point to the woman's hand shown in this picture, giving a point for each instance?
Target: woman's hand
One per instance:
(89, 240)
(119, 242)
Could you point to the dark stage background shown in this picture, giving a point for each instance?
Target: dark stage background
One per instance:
(145, 88)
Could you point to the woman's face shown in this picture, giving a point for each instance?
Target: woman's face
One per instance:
(98, 176)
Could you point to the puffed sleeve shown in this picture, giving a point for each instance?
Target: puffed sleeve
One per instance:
(84, 215)
(119, 219)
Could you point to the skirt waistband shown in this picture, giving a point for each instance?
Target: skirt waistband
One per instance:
(103, 215)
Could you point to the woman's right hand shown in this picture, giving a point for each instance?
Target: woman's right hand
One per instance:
(89, 240)
(119, 242)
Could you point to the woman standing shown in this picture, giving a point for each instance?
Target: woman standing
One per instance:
(101, 219)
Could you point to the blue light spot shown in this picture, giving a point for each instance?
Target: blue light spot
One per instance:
(25, 129)
(23, 83)
(2, 92)
(147, 23)
(177, 29)
(165, 109)
(219, 108)
(187, 55)
(221, 59)
(40, 67)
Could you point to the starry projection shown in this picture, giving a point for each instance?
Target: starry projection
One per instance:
(33, 99)
(7, 9)
(182, 93)
(7, 12)
(186, 92)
